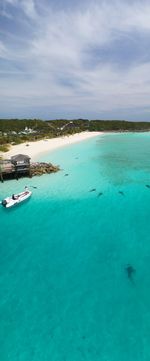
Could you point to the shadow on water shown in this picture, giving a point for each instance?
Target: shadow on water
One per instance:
(122, 193)
(130, 271)
(99, 194)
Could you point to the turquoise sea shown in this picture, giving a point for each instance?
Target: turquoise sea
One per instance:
(64, 291)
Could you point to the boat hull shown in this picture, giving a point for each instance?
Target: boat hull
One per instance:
(16, 199)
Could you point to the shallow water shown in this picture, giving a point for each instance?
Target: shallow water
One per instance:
(64, 291)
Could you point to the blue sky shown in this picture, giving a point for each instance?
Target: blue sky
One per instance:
(70, 58)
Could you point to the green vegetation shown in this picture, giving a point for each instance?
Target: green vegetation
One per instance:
(4, 147)
(16, 131)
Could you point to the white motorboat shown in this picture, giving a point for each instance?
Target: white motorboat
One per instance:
(16, 198)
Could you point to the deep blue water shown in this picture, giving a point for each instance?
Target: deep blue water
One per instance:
(64, 290)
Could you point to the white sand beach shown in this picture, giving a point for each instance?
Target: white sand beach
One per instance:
(34, 149)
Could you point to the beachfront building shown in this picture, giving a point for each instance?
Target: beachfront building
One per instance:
(6, 169)
(6, 166)
(21, 163)
(18, 165)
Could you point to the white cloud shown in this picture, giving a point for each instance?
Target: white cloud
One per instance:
(27, 6)
(54, 59)
(3, 50)
(12, 2)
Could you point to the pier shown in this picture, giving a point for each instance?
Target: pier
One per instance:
(20, 166)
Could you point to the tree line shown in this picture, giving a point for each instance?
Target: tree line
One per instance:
(12, 131)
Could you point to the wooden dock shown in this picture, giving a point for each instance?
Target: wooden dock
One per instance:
(20, 166)
(15, 167)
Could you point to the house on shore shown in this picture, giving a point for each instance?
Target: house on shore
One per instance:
(6, 166)
(20, 166)
(21, 163)
(15, 167)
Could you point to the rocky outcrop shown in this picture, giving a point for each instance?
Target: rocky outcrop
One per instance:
(37, 169)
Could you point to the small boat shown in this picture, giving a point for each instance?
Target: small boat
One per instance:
(16, 198)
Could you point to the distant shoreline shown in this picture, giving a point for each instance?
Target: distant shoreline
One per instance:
(34, 149)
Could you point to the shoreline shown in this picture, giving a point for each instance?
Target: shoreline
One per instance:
(34, 149)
